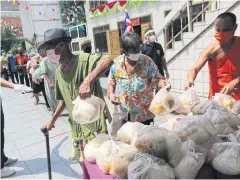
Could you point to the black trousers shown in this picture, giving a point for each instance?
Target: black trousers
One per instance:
(3, 157)
(4, 73)
(12, 74)
(147, 122)
(37, 88)
(22, 77)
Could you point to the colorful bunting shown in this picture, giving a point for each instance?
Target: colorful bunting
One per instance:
(53, 9)
(27, 7)
(14, 2)
(31, 9)
(40, 13)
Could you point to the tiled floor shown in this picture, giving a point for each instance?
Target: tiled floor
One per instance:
(24, 140)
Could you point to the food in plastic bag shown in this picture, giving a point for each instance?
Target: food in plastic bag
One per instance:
(236, 107)
(224, 100)
(163, 103)
(128, 132)
(199, 129)
(120, 162)
(117, 120)
(146, 166)
(106, 152)
(88, 110)
(187, 101)
(190, 163)
(92, 148)
(228, 161)
(216, 149)
(206, 106)
(159, 142)
(224, 121)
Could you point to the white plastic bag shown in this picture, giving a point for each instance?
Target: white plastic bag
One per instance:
(163, 103)
(159, 142)
(228, 161)
(187, 101)
(206, 106)
(117, 120)
(129, 131)
(92, 148)
(106, 152)
(224, 100)
(120, 162)
(190, 163)
(146, 166)
(88, 110)
(236, 107)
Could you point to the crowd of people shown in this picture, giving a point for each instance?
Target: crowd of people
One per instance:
(133, 76)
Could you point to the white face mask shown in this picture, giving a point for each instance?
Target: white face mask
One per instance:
(152, 38)
(134, 57)
(52, 56)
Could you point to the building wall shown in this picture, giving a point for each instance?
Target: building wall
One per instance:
(156, 9)
(39, 17)
(181, 65)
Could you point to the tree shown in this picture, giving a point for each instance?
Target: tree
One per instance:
(7, 39)
(33, 43)
(73, 12)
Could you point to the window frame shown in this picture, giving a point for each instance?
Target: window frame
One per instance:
(100, 31)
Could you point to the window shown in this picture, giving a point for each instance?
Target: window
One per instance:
(100, 37)
(95, 3)
(78, 31)
(75, 46)
(166, 12)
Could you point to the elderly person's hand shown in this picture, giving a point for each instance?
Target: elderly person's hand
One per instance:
(114, 99)
(85, 89)
(229, 88)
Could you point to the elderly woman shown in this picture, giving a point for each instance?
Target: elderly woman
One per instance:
(132, 80)
(37, 79)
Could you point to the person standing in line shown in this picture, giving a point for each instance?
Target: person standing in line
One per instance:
(5, 161)
(48, 69)
(155, 51)
(4, 64)
(37, 80)
(13, 67)
(22, 59)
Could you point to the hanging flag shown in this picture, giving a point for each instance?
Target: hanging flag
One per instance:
(47, 7)
(14, 2)
(31, 9)
(40, 13)
(127, 24)
(53, 9)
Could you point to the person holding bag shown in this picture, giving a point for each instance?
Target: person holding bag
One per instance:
(132, 80)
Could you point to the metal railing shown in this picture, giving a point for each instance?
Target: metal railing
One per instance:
(189, 23)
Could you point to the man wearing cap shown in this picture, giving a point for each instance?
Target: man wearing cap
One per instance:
(73, 72)
(155, 51)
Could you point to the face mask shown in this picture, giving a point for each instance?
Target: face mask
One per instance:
(52, 56)
(223, 37)
(152, 38)
(134, 57)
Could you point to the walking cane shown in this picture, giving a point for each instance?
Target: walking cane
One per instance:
(45, 132)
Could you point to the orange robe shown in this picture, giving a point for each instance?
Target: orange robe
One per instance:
(224, 70)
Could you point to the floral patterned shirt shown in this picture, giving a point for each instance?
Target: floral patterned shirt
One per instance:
(135, 92)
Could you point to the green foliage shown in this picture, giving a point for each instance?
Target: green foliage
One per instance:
(33, 43)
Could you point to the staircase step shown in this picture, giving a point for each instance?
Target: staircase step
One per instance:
(169, 53)
(188, 35)
(178, 45)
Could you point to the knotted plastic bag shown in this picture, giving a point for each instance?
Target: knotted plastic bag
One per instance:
(117, 120)
(187, 101)
(128, 132)
(92, 148)
(224, 100)
(163, 103)
(146, 166)
(120, 162)
(190, 163)
(159, 142)
(88, 110)
(228, 161)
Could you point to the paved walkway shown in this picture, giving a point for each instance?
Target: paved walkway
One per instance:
(24, 140)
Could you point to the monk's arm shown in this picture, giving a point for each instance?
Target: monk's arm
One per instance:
(199, 65)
